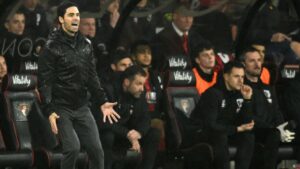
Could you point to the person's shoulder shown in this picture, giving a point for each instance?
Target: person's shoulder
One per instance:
(212, 92)
(167, 31)
(84, 39)
(53, 44)
(88, 41)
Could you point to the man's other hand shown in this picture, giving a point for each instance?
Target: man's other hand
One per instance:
(52, 120)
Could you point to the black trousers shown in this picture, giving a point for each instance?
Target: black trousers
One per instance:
(149, 145)
(75, 128)
(266, 152)
(220, 143)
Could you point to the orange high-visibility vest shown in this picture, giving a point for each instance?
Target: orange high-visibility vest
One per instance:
(265, 76)
(202, 84)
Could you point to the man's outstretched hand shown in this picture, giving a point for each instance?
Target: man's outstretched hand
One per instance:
(109, 113)
(52, 119)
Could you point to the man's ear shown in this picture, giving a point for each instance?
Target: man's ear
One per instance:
(226, 76)
(61, 19)
(113, 67)
(197, 60)
(6, 25)
(126, 82)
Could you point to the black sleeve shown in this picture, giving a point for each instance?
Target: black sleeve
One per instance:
(246, 115)
(117, 128)
(143, 119)
(46, 76)
(259, 123)
(258, 117)
(93, 82)
(278, 117)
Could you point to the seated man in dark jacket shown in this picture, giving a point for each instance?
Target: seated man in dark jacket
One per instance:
(133, 131)
(269, 126)
(225, 111)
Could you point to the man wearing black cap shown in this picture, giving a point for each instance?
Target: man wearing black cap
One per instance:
(66, 74)
(175, 39)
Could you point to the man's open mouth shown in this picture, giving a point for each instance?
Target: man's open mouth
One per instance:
(74, 24)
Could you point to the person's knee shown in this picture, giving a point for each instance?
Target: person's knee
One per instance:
(98, 150)
(72, 150)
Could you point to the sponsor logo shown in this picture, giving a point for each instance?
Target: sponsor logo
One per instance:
(31, 66)
(24, 108)
(288, 73)
(23, 47)
(186, 76)
(21, 80)
(177, 62)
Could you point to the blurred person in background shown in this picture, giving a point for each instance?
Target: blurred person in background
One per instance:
(3, 68)
(142, 55)
(177, 39)
(15, 44)
(204, 72)
(36, 24)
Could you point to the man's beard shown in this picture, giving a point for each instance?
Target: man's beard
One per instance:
(255, 74)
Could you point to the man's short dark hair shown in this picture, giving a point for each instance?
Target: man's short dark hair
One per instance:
(62, 8)
(18, 12)
(205, 45)
(232, 64)
(251, 49)
(118, 55)
(132, 71)
(140, 46)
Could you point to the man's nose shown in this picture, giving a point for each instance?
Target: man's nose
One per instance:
(76, 17)
(241, 80)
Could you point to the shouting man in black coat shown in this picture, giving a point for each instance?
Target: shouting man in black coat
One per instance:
(66, 74)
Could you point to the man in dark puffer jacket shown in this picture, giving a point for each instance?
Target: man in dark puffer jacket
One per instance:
(66, 73)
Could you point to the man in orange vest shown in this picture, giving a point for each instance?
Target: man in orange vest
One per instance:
(204, 71)
(265, 75)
